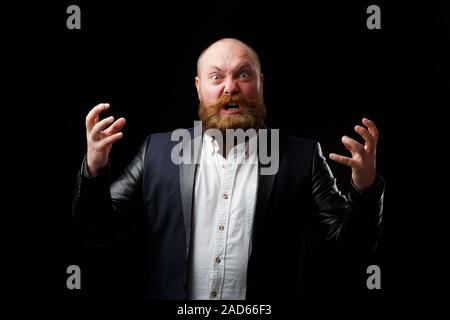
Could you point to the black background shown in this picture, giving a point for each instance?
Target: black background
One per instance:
(324, 70)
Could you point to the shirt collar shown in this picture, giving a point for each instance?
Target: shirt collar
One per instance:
(212, 147)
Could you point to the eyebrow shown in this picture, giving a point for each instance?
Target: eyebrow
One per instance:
(245, 65)
(214, 67)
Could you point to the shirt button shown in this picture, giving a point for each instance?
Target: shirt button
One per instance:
(214, 294)
(221, 227)
(217, 259)
(225, 195)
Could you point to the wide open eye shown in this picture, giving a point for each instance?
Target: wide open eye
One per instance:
(215, 77)
(244, 75)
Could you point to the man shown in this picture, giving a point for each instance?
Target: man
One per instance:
(218, 228)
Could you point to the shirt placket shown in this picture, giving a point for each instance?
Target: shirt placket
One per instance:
(225, 197)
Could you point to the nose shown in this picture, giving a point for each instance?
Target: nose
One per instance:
(231, 88)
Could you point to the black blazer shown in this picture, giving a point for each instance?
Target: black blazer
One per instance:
(303, 192)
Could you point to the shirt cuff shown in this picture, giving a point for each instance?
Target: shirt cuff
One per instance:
(85, 171)
(375, 190)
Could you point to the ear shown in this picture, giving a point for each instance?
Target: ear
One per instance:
(197, 84)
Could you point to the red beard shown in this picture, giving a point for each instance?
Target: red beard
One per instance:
(252, 114)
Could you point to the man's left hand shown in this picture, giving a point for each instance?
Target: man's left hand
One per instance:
(363, 160)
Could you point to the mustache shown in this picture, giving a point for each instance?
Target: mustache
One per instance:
(252, 115)
(249, 106)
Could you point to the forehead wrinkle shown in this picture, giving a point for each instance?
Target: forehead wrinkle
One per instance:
(242, 62)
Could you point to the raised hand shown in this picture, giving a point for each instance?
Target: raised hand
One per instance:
(363, 160)
(100, 137)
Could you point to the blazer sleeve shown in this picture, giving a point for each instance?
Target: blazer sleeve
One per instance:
(355, 219)
(105, 211)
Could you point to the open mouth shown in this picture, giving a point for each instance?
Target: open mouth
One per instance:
(231, 108)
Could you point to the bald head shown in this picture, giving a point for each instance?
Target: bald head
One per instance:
(226, 47)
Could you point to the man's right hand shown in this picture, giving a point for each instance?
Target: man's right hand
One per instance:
(100, 137)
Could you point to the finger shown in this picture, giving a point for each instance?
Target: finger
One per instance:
(352, 145)
(100, 126)
(92, 117)
(341, 159)
(110, 140)
(372, 128)
(115, 127)
(368, 138)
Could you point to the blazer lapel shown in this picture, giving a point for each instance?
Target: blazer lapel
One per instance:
(187, 183)
(265, 185)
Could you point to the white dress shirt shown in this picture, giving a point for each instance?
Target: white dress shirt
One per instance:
(222, 221)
